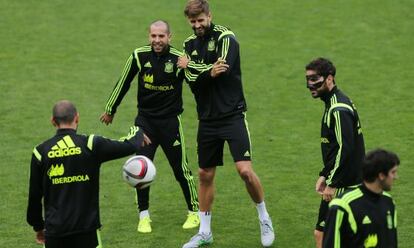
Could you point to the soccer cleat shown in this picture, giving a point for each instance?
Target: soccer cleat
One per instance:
(192, 221)
(144, 225)
(199, 240)
(267, 234)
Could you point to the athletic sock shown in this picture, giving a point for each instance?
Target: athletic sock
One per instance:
(205, 222)
(143, 214)
(261, 210)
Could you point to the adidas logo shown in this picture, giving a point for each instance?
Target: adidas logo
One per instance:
(194, 53)
(366, 220)
(64, 147)
(148, 64)
(246, 154)
(55, 171)
(176, 143)
(322, 223)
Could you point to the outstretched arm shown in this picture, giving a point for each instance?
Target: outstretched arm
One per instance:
(121, 88)
(108, 149)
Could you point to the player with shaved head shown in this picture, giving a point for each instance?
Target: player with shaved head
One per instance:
(159, 113)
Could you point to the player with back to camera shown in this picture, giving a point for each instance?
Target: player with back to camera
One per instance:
(342, 142)
(212, 69)
(64, 180)
(159, 114)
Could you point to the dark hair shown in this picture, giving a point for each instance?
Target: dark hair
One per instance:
(196, 7)
(64, 112)
(157, 22)
(323, 67)
(376, 162)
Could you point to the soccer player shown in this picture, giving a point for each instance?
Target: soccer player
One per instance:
(212, 69)
(64, 172)
(366, 216)
(159, 114)
(342, 142)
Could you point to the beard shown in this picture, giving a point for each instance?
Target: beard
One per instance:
(385, 186)
(201, 31)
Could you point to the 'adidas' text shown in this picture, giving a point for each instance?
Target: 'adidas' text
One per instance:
(64, 152)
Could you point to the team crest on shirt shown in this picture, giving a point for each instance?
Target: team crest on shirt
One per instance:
(169, 67)
(211, 45)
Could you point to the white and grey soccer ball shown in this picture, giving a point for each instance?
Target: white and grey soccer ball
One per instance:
(139, 171)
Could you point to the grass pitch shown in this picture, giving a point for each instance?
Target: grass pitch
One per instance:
(75, 50)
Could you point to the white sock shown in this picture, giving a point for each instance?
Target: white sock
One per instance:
(143, 214)
(261, 210)
(205, 222)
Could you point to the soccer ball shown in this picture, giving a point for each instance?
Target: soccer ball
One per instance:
(139, 171)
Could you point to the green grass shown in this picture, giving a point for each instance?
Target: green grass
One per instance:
(52, 50)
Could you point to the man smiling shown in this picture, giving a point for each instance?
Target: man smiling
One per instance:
(212, 69)
(159, 106)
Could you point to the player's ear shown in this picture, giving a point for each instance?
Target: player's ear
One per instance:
(381, 176)
(76, 120)
(52, 120)
(330, 80)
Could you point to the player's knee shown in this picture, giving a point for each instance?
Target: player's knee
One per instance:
(318, 235)
(205, 176)
(247, 175)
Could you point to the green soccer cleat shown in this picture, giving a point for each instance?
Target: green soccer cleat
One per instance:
(192, 221)
(199, 240)
(144, 225)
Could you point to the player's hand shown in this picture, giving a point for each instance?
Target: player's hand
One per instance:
(146, 141)
(328, 193)
(183, 62)
(219, 67)
(320, 185)
(106, 118)
(40, 237)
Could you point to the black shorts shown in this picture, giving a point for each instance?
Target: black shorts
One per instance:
(323, 212)
(212, 135)
(84, 240)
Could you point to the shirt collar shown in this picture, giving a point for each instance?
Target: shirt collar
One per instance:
(61, 131)
(369, 193)
(327, 97)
